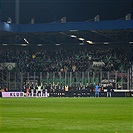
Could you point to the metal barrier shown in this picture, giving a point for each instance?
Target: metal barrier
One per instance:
(120, 80)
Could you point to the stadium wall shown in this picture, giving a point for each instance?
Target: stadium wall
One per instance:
(123, 93)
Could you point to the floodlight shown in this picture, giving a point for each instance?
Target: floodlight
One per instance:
(97, 18)
(73, 30)
(57, 44)
(105, 43)
(90, 42)
(63, 20)
(39, 45)
(24, 45)
(4, 44)
(130, 42)
(9, 20)
(26, 40)
(73, 36)
(128, 17)
(81, 39)
(7, 25)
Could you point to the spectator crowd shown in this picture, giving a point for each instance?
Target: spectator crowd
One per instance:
(67, 60)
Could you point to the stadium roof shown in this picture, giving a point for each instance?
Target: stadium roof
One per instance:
(115, 31)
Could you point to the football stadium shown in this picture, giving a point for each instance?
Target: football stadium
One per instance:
(69, 74)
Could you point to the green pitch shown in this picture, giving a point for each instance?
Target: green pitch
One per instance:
(66, 115)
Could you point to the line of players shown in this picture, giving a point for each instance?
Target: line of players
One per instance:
(34, 90)
(58, 90)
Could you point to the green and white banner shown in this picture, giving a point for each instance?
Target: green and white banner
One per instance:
(8, 65)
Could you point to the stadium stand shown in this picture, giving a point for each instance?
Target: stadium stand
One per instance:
(69, 65)
(75, 61)
(69, 60)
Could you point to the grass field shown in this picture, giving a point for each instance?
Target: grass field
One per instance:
(66, 115)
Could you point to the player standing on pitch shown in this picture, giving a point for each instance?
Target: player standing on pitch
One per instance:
(97, 90)
(109, 90)
(32, 89)
(40, 90)
(27, 89)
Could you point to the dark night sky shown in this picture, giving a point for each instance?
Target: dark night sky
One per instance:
(46, 11)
